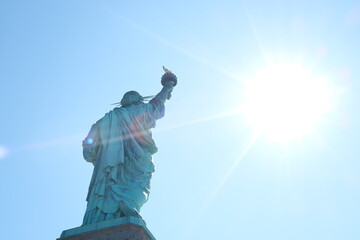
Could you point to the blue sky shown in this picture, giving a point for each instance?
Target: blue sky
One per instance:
(62, 64)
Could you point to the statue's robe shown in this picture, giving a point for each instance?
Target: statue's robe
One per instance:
(120, 146)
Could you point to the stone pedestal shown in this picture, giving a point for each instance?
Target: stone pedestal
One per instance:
(128, 228)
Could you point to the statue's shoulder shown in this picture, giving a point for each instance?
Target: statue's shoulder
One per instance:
(110, 114)
(117, 110)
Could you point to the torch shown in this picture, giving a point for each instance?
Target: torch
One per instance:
(168, 77)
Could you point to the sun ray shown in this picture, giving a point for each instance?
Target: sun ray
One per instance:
(71, 139)
(198, 120)
(229, 173)
(255, 31)
(176, 47)
(221, 183)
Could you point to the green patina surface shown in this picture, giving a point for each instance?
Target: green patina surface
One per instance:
(120, 146)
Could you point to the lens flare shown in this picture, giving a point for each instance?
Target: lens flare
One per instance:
(89, 141)
(4, 151)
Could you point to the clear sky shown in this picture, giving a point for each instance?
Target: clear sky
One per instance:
(62, 64)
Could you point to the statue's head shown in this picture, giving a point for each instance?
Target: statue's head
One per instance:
(131, 97)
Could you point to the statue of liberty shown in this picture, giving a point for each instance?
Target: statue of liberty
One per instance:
(120, 146)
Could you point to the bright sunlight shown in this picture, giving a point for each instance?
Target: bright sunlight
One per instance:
(285, 101)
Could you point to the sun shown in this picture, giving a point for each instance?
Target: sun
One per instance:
(285, 101)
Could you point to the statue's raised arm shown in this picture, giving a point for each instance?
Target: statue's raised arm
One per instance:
(169, 81)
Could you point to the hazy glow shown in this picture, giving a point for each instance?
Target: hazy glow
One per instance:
(3, 152)
(285, 101)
